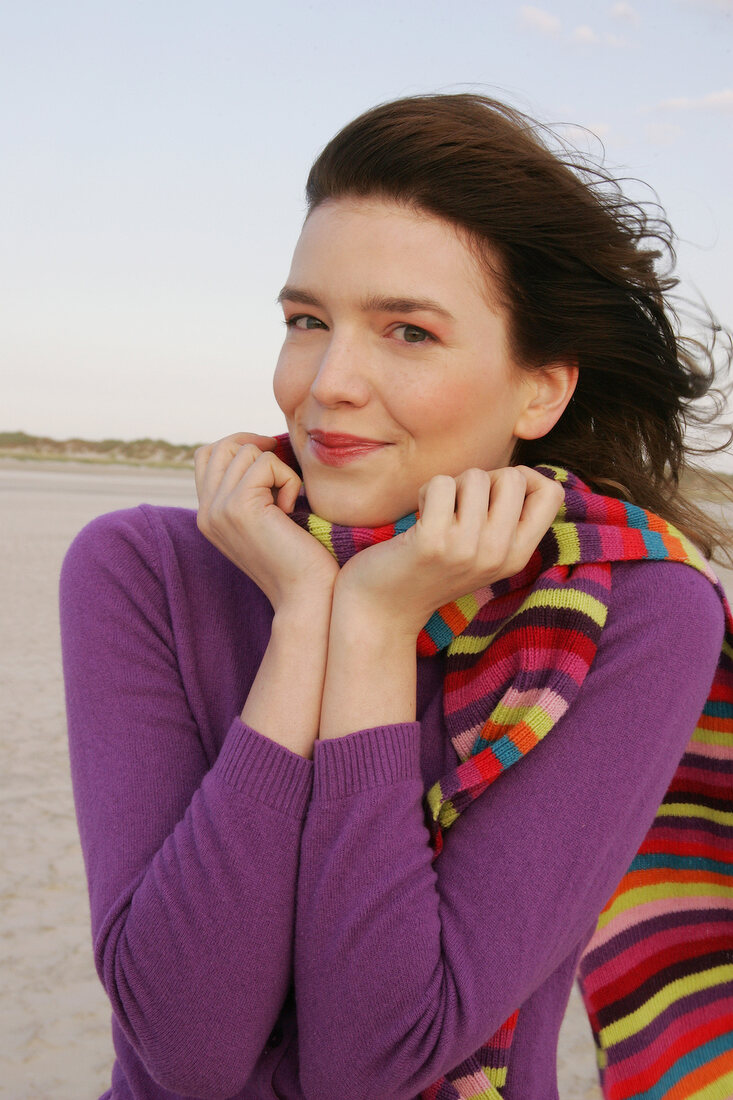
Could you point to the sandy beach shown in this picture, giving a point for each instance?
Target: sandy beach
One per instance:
(54, 1016)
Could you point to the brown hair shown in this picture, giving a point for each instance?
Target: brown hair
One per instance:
(576, 264)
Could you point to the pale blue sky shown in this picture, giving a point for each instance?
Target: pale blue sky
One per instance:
(154, 156)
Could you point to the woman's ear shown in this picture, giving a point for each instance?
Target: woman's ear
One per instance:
(548, 391)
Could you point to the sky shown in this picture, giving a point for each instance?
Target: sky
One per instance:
(154, 156)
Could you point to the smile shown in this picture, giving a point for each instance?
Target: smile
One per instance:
(337, 449)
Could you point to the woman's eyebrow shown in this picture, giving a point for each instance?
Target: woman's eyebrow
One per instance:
(377, 303)
(373, 303)
(294, 294)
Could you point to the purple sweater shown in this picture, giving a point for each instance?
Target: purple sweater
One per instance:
(268, 926)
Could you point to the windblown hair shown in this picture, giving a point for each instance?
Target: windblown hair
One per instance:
(584, 273)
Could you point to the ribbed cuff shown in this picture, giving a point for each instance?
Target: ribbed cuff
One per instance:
(264, 769)
(375, 757)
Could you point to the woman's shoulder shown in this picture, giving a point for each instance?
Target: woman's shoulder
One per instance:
(147, 539)
(664, 607)
(135, 529)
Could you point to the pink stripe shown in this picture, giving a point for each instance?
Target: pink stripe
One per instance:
(473, 1085)
(554, 704)
(649, 909)
(626, 960)
(713, 752)
(612, 542)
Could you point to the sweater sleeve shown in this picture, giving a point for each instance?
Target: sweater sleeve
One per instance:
(191, 867)
(404, 966)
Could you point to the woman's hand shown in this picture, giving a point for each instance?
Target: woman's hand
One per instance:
(473, 530)
(245, 494)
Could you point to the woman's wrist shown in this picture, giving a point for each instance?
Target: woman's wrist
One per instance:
(371, 673)
(365, 612)
(284, 702)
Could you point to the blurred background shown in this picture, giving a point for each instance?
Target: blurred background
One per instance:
(154, 157)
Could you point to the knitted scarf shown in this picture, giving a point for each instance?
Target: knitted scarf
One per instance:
(657, 975)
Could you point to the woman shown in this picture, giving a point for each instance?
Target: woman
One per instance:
(279, 741)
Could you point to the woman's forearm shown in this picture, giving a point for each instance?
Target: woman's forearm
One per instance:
(284, 702)
(371, 673)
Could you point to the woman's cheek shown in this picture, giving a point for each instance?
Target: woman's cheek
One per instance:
(284, 385)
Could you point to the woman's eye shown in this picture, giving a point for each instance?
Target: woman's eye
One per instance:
(411, 334)
(303, 321)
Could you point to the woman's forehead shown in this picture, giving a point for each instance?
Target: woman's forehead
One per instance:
(383, 250)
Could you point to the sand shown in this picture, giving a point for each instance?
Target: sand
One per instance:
(54, 1016)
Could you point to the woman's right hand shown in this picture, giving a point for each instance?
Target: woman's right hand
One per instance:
(245, 494)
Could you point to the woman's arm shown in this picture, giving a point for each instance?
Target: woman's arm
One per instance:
(403, 966)
(191, 866)
(245, 494)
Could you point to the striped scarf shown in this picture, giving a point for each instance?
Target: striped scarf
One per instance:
(657, 975)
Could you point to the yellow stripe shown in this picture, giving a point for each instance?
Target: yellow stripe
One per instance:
(534, 716)
(704, 736)
(444, 812)
(468, 606)
(568, 542)
(561, 474)
(448, 814)
(497, 1077)
(675, 991)
(321, 530)
(466, 644)
(567, 598)
(686, 809)
(659, 890)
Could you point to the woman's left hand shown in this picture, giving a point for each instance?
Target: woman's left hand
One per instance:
(473, 530)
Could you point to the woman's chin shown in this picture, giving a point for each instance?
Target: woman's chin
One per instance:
(354, 513)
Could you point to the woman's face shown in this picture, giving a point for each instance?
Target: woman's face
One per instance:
(395, 365)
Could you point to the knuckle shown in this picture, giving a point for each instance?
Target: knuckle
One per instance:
(476, 474)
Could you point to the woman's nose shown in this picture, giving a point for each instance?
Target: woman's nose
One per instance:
(341, 377)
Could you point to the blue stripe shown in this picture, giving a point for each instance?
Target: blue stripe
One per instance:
(654, 544)
(693, 1060)
(437, 629)
(405, 523)
(651, 860)
(636, 516)
(505, 750)
(719, 709)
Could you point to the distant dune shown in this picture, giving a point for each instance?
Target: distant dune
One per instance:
(135, 452)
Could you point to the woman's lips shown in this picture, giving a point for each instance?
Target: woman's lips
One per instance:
(335, 449)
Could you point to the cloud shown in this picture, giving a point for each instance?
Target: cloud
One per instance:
(537, 19)
(585, 35)
(714, 101)
(624, 11)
